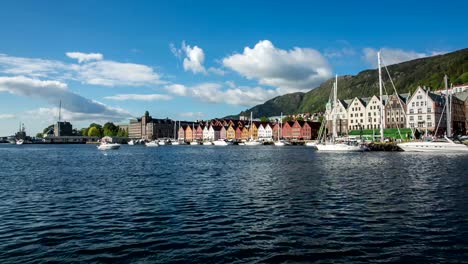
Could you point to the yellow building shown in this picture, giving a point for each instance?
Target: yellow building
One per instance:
(188, 134)
(245, 133)
(231, 132)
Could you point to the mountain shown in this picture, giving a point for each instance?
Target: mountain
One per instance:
(407, 76)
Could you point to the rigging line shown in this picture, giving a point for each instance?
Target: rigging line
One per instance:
(398, 97)
(440, 118)
(385, 88)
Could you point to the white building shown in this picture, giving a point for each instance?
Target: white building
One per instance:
(205, 133)
(424, 110)
(211, 133)
(265, 132)
(356, 114)
(372, 120)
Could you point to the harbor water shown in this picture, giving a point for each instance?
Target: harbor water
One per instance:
(234, 204)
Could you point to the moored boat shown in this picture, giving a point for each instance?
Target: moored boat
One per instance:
(152, 144)
(108, 146)
(434, 146)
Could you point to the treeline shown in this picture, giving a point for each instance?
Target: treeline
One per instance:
(93, 130)
(109, 129)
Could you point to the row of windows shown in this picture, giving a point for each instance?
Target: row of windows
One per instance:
(420, 110)
(421, 124)
(420, 117)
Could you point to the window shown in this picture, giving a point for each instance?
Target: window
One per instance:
(351, 121)
(419, 110)
(411, 111)
(429, 124)
(412, 104)
(417, 103)
(361, 114)
(420, 118)
(351, 115)
(411, 118)
(369, 114)
(361, 121)
(428, 117)
(429, 109)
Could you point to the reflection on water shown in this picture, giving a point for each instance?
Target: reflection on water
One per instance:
(231, 204)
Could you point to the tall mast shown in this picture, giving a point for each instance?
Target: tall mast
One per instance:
(280, 126)
(59, 118)
(382, 118)
(250, 128)
(427, 95)
(447, 108)
(335, 88)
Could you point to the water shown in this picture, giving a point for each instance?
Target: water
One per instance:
(235, 204)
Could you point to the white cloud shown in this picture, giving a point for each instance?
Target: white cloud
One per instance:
(84, 57)
(30, 66)
(7, 116)
(139, 97)
(51, 115)
(55, 91)
(177, 89)
(175, 51)
(101, 72)
(194, 59)
(234, 95)
(393, 56)
(191, 114)
(112, 73)
(339, 53)
(299, 69)
(217, 71)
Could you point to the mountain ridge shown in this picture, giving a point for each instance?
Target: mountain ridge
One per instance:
(407, 76)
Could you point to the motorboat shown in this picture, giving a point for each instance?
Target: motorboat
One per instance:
(448, 146)
(108, 146)
(19, 142)
(207, 143)
(220, 142)
(161, 142)
(131, 142)
(152, 144)
(311, 144)
(194, 143)
(252, 143)
(279, 143)
(175, 143)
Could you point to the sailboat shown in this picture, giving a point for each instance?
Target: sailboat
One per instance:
(442, 146)
(334, 146)
(251, 141)
(174, 140)
(279, 142)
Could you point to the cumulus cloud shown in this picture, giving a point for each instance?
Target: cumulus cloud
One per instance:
(99, 72)
(299, 69)
(55, 91)
(83, 57)
(7, 116)
(194, 57)
(177, 89)
(50, 114)
(234, 95)
(216, 71)
(139, 97)
(393, 56)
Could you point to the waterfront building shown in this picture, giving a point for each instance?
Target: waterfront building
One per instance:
(275, 129)
(245, 133)
(63, 128)
(231, 132)
(265, 131)
(395, 110)
(206, 133)
(198, 132)
(372, 113)
(296, 129)
(356, 113)
(463, 96)
(189, 135)
(287, 129)
(310, 130)
(181, 132)
(239, 133)
(211, 133)
(149, 128)
(424, 110)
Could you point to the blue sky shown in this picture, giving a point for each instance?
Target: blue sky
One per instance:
(110, 60)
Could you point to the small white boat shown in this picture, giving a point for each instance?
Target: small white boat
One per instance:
(207, 143)
(339, 147)
(108, 146)
(194, 143)
(311, 144)
(252, 143)
(131, 143)
(279, 143)
(161, 142)
(20, 142)
(220, 142)
(175, 143)
(152, 144)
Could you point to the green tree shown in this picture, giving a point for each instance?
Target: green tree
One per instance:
(264, 119)
(39, 135)
(94, 132)
(287, 119)
(47, 129)
(146, 113)
(98, 127)
(300, 118)
(84, 131)
(110, 129)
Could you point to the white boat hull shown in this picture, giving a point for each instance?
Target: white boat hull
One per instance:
(220, 143)
(440, 147)
(311, 144)
(108, 146)
(279, 143)
(338, 147)
(252, 143)
(131, 143)
(194, 143)
(20, 142)
(207, 143)
(175, 143)
(152, 144)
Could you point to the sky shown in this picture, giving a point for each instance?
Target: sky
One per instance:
(190, 60)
